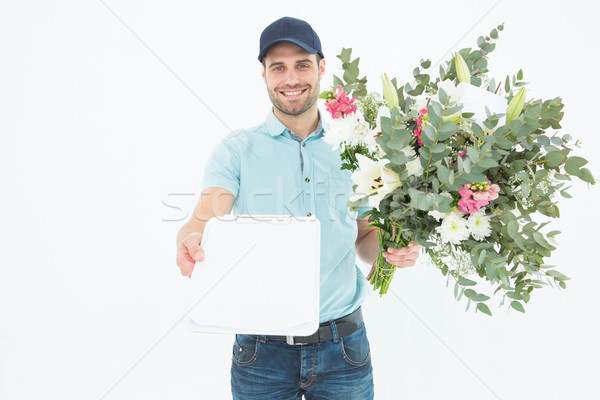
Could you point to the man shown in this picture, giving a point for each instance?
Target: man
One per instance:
(283, 167)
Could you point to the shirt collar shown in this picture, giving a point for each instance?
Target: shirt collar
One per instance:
(276, 127)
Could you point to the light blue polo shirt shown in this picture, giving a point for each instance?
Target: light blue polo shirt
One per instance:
(270, 170)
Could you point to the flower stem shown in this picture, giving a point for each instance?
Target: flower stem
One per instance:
(382, 272)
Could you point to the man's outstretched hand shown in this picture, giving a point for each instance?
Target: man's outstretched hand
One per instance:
(188, 252)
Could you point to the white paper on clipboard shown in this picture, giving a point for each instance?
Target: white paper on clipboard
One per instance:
(260, 275)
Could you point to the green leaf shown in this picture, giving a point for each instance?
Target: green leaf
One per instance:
(487, 162)
(473, 295)
(477, 130)
(435, 114)
(539, 238)
(442, 173)
(514, 295)
(491, 272)
(466, 282)
(438, 148)
(395, 144)
(337, 81)
(577, 162)
(428, 133)
(574, 164)
(562, 284)
(484, 308)
(557, 275)
(586, 176)
(446, 130)
(517, 306)
(565, 194)
(554, 159)
(513, 229)
(443, 96)
(345, 55)
(481, 257)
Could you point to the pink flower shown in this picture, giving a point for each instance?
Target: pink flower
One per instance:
(341, 105)
(423, 113)
(418, 135)
(467, 206)
(466, 191)
(487, 194)
(472, 200)
(462, 154)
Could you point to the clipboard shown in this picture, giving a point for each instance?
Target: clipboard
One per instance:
(260, 275)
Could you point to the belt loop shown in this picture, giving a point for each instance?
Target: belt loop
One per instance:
(263, 338)
(334, 331)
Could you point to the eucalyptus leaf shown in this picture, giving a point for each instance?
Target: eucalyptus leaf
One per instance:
(484, 308)
(517, 306)
(466, 282)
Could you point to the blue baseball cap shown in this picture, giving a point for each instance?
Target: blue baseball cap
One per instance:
(291, 30)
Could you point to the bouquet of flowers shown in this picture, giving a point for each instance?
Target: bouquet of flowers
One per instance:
(468, 168)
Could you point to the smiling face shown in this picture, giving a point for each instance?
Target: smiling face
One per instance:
(292, 77)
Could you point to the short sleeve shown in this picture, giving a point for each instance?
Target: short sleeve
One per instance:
(362, 210)
(222, 169)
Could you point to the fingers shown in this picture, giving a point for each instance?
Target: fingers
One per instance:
(196, 252)
(185, 262)
(403, 257)
(188, 253)
(191, 245)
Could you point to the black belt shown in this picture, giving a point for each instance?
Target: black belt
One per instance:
(344, 325)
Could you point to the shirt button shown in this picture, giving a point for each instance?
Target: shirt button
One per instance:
(308, 215)
(289, 131)
(307, 180)
(303, 144)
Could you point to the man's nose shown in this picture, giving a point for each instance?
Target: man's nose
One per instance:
(291, 78)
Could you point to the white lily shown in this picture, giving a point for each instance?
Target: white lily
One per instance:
(413, 165)
(391, 180)
(451, 91)
(367, 177)
(474, 99)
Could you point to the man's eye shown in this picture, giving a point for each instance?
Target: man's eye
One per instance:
(303, 66)
(278, 69)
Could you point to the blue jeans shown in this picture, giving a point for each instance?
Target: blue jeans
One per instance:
(264, 369)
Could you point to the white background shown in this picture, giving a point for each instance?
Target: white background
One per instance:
(106, 120)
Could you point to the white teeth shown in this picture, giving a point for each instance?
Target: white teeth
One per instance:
(292, 93)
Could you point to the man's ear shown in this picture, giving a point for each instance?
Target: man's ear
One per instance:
(262, 66)
(321, 68)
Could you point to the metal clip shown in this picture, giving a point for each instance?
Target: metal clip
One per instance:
(290, 340)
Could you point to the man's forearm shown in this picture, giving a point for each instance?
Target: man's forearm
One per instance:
(368, 247)
(213, 202)
(194, 225)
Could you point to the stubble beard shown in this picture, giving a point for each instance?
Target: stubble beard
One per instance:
(310, 101)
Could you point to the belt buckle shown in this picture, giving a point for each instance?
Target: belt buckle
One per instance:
(290, 340)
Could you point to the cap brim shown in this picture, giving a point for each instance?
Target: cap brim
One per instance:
(298, 43)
